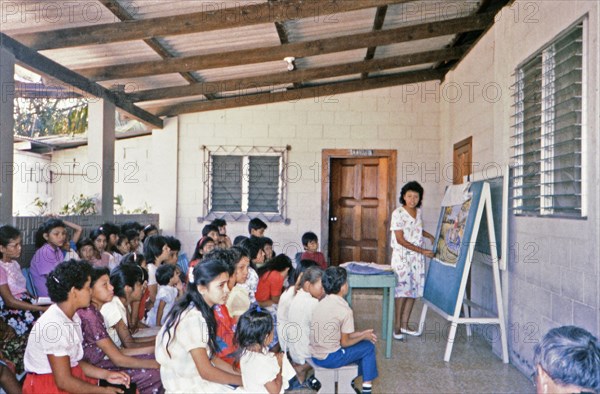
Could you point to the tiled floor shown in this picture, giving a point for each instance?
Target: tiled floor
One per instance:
(417, 364)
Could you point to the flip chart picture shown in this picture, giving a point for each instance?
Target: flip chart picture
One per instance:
(451, 233)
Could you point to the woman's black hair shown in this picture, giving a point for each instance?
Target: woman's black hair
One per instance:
(300, 268)
(412, 186)
(164, 273)
(153, 247)
(226, 256)
(133, 258)
(252, 329)
(278, 263)
(97, 273)
(125, 275)
(45, 228)
(96, 233)
(173, 243)
(65, 276)
(200, 245)
(149, 228)
(333, 279)
(8, 233)
(203, 275)
(239, 239)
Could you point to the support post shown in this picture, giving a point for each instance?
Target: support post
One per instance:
(7, 125)
(101, 153)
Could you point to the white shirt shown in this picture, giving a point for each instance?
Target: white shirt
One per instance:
(151, 274)
(282, 315)
(260, 368)
(113, 312)
(178, 371)
(297, 331)
(168, 294)
(54, 333)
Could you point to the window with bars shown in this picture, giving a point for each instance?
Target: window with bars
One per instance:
(547, 139)
(245, 182)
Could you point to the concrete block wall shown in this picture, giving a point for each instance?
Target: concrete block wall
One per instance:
(31, 179)
(553, 263)
(391, 118)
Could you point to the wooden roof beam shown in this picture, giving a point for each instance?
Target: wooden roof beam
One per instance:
(212, 19)
(296, 49)
(41, 64)
(377, 25)
(298, 94)
(298, 76)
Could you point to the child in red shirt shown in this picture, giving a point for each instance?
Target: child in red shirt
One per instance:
(310, 241)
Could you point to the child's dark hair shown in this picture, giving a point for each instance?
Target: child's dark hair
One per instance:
(267, 241)
(226, 256)
(96, 233)
(131, 234)
(200, 245)
(256, 224)
(65, 276)
(208, 228)
(239, 239)
(253, 245)
(133, 258)
(7, 234)
(131, 225)
(125, 275)
(122, 237)
(219, 223)
(333, 279)
(300, 268)
(308, 237)
(164, 273)
(278, 263)
(203, 275)
(153, 247)
(412, 186)
(97, 273)
(173, 243)
(85, 242)
(149, 228)
(45, 228)
(253, 328)
(311, 275)
(109, 229)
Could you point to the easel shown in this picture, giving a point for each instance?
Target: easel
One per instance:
(455, 319)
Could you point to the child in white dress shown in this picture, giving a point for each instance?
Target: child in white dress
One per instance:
(262, 371)
(169, 289)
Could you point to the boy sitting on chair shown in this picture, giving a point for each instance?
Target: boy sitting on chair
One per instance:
(333, 341)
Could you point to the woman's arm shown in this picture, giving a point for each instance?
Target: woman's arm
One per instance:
(121, 360)
(428, 236)
(137, 351)
(61, 370)
(127, 340)
(159, 312)
(77, 230)
(403, 242)
(13, 303)
(209, 372)
(152, 289)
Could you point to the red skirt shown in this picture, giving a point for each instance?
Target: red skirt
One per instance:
(36, 384)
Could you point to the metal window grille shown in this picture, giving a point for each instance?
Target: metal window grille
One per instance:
(547, 139)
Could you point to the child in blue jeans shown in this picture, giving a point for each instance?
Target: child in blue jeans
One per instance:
(333, 341)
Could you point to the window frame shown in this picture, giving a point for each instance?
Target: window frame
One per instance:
(545, 189)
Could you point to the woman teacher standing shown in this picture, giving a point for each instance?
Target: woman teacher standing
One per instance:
(408, 257)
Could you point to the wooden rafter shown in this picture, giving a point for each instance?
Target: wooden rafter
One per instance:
(298, 76)
(298, 94)
(222, 18)
(377, 25)
(49, 68)
(296, 49)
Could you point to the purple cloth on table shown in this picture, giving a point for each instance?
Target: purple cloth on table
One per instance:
(360, 269)
(43, 262)
(92, 326)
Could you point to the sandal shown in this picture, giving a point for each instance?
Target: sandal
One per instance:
(294, 384)
(313, 383)
(355, 388)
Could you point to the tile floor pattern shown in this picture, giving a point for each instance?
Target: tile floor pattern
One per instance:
(417, 364)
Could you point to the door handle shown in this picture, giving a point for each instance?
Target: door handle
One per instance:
(333, 219)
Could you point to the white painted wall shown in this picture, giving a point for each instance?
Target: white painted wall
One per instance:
(391, 118)
(560, 283)
(31, 179)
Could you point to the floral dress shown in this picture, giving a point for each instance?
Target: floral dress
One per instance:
(20, 320)
(92, 325)
(409, 266)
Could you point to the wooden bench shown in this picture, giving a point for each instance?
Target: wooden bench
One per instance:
(328, 377)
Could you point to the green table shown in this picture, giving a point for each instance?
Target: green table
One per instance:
(386, 282)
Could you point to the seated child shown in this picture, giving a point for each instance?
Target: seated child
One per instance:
(169, 288)
(53, 357)
(238, 300)
(336, 343)
(204, 245)
(300, 314)
(256, 228)
(311, 249)
(262, 371)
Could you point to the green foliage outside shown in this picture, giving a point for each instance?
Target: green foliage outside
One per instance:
(40, 117)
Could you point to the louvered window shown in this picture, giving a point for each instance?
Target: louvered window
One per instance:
(245, 182)
(547, 140)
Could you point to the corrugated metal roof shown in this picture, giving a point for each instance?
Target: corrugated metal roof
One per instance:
(416, 12)
(330, 24)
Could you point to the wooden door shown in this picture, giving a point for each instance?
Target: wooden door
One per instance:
(463, 160)
(358, 222)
